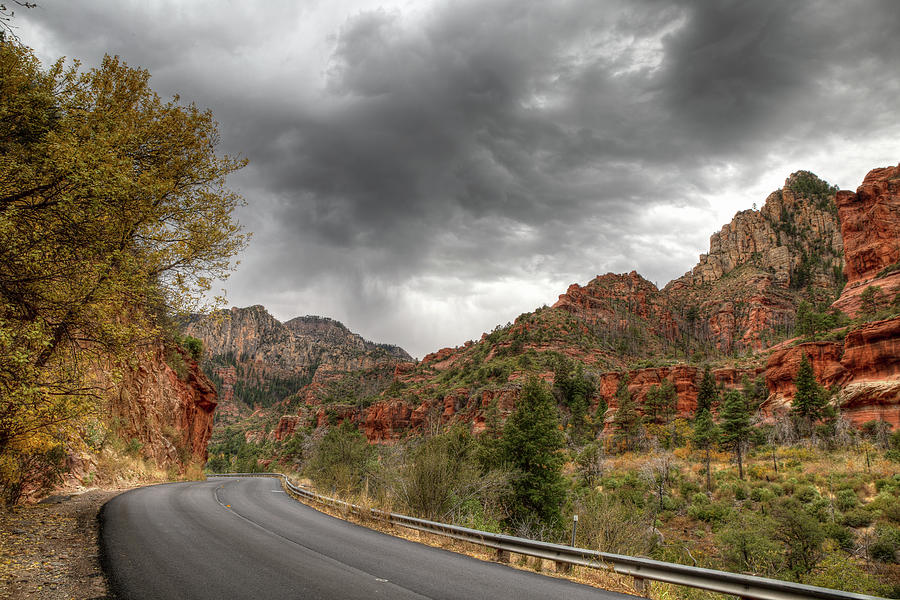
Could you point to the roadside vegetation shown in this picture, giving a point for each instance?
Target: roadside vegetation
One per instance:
(805, 498)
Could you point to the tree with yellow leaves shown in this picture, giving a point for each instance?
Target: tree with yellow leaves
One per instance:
(114, 215)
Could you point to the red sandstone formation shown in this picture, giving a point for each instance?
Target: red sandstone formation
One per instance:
(385, 421)
(685, 378)
(870, 224)
(287, 424)
(872, 352)
(866, 366)
(171, 416)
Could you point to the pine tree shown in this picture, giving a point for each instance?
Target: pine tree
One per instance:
(659, 408)
(735, 425)
(626, 422)
(531, 444)
(708, 394)
(705, 435)
(809, 399)
(667, 401)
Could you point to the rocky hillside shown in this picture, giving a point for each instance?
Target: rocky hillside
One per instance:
(156, 418)
(737, 308)
(257, 361)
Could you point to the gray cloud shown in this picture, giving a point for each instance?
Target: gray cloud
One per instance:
(425, 174)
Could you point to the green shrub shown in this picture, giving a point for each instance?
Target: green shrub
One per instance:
(840, 534)
(762, 494)
(886, 545)
(193, 346)
(747, 544)
(806, 494)
(883, 504)
(133, 447)
(838, 573)
(821, 509)
(712, 512)
(857, 518)
(341, 460)
(442, 480)
(846, 499)
(688, 488)
(801, 534)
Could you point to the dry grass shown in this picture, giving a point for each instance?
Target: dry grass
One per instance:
(598, 578)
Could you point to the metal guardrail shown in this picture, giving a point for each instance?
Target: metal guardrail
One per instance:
(640, 569)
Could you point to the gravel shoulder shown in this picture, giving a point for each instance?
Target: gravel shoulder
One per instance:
(50, 551)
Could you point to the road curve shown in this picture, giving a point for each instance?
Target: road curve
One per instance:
(246, 538)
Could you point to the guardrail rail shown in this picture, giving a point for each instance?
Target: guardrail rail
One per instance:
(640, 569)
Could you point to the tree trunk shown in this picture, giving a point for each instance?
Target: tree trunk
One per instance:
(740, 462)
(708, 475)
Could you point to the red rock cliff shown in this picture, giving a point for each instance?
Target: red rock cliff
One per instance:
(169, 411)
(870, 224)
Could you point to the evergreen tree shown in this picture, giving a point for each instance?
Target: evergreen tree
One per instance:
(627, 421)
(755, 392)
(573, 390)
(531, 444)
(705, 435)
(489, 452)
(735, 425)
(708, 394)
(661, 403)
(809, 399)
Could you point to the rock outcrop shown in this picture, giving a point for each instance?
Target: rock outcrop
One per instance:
(167, 404)
(796, 220)
(870, 225)
(747, 287)
(870, 222)
(865, 367)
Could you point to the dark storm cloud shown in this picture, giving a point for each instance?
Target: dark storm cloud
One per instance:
(427, 157)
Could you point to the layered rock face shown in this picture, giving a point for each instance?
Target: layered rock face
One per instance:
(746, 288)
(870, 224)
(865, 366)
(870, 220)
(789, 224)
(270, 360)
(252, 334)
(758, 266)
(170, 412)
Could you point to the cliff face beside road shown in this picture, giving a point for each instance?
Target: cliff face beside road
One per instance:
(167, 404)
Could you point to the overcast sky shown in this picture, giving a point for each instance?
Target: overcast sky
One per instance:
(426, 170)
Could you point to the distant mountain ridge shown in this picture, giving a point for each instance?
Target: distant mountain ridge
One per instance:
(257, 360)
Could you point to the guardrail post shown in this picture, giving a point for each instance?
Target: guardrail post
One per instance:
(563, 567)
(502, 555)
(640, 587)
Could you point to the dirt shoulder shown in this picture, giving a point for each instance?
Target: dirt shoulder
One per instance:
(49, 550)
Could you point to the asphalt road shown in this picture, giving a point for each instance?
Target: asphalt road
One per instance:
(245, 538)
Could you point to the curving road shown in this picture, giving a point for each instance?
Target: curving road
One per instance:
(245, 538)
